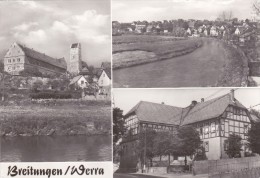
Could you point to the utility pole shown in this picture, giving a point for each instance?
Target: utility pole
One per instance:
(144, 148)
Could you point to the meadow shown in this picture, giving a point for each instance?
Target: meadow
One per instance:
(55, 117)
(131, 50)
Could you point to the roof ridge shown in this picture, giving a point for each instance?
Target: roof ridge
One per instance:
(209, 103)
(162, 104)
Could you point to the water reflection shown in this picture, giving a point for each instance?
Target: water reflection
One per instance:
(56, 148)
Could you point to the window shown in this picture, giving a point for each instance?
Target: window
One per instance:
(13, 60)
(82, 82)
(9, 60)
(206, 146)
(213, 127)
(18, 60)
(226, 145)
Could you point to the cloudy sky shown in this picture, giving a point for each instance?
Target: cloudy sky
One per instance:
(125, 99)
(128, 11)
(52, 26)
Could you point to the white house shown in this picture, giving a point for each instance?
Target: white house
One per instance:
(79, 81)
(213, 31)
(104, 78)
(188, 31)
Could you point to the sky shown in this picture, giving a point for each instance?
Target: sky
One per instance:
(128, 11)
(125, 99)
(51, 27)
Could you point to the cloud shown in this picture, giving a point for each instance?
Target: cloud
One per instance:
(38, 6)
(89, 28)
(25, 26)
(117, 5)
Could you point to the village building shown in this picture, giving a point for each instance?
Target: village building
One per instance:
(213, 31)
(104, 78)
(214, 119)
(188, 31)
(79, 82)
(140, 27)
(21, 58)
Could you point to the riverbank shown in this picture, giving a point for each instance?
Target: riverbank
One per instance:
(235, 70)
(55, 117)
(132, 50)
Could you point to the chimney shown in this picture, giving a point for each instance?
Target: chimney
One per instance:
(162, 103)
(232, 94)
(202, 100)
(193, 103)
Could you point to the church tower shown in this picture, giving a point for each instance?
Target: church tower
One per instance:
(75, 61)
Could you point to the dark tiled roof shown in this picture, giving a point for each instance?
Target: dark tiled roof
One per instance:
(210, 109)
(74, 45)
(153, 112)
(43, 57)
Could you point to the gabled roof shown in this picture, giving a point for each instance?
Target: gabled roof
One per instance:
(108, 72)
(160, 113)
(75, 79)
(43, 57)
(105, 65)
(153, 112)
(210, 109)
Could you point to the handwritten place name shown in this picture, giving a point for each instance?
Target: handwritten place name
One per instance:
(14, 171)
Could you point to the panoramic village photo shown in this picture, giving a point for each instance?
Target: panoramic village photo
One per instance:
(185, 43)
(55, 81)
(202, 132)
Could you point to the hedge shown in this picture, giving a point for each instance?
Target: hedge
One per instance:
(50, 95)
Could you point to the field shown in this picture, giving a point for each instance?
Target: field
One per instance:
(131, 50)
(55, 117)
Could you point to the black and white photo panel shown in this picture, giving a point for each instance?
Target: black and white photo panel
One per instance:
(55, 81)
(185, 43)
(186, 132)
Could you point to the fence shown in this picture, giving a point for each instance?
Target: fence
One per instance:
(212, 167)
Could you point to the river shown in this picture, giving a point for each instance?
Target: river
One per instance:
(200, 68)
(56, 148)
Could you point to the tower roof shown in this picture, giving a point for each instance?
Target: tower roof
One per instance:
(75, 45)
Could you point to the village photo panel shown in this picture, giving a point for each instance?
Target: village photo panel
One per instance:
(175, 43)
(160, 131)
(55, 81)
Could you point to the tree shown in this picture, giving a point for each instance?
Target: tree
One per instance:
(254, 138)
(37, 85)
(118, 124)
(166, 143)
(256, 7)
(255, 112)
(226, 15)
(189, 141)
(146, 148)
(1, 66)
(234, 145)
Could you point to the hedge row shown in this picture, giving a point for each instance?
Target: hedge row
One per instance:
(50, 95)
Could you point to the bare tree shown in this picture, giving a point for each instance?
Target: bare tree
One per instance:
(226, 15)
(256, 6)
